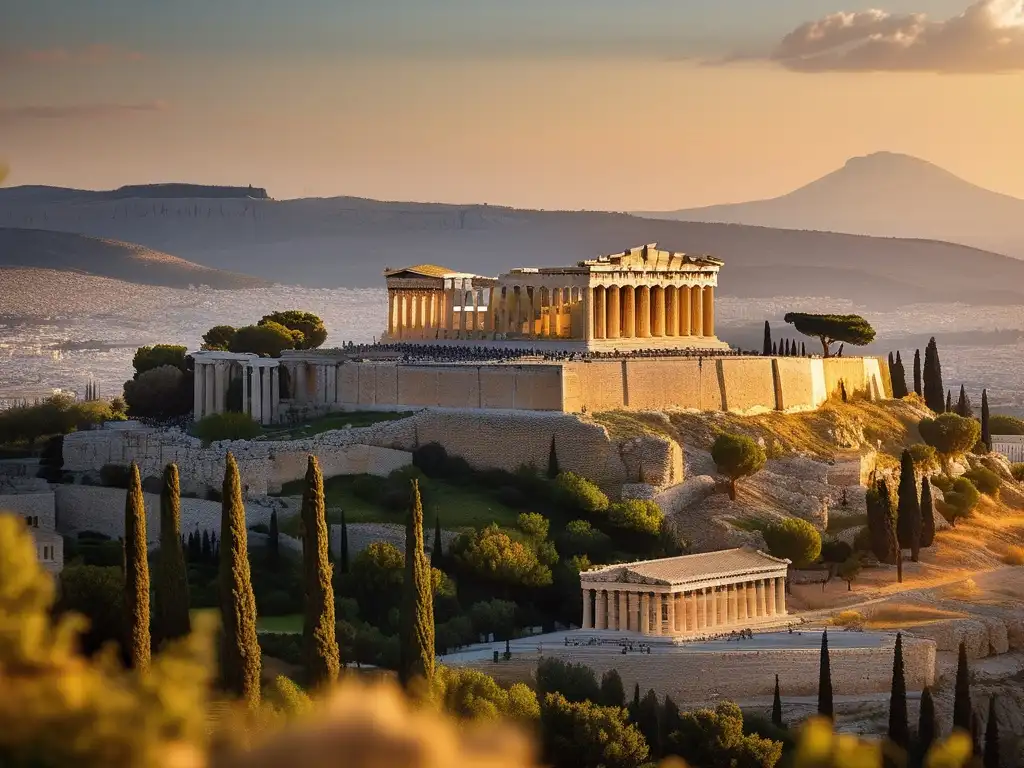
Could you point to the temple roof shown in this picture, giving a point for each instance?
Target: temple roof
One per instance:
(689, 568)
(424, 270)
(650, 257)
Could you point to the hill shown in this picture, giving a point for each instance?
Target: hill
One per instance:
(43, 194)
(110, 258)
(887, 195)
(332, 242)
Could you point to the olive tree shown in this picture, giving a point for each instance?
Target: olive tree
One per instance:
(737, 456)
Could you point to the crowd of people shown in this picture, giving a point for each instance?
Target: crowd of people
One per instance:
(478, 353)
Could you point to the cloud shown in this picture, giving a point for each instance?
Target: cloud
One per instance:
(988, 37)
(90, 54)
(76, 111)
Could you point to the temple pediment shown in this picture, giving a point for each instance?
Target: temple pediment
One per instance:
(650, 258)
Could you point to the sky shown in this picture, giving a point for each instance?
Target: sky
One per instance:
(569, 104)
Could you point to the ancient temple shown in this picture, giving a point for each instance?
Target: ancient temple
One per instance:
(638, 299)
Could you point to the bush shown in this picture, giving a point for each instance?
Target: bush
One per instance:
(949, 434)
(158, 356)
(115, 475)
(285, 646)
(862, 541)
(923, 456)
(277, 602)
(1005, 425)
(579, 494)
(511, 497)
(97, 593)
(431, 459)
(640, 515)
(309, 329)
(56, 415)
(1017, 471)
(794, 539)
(942, 482)
(581, 538)
(226, 426)
(267, 340)
(737, 456)
(368, 488)
(985, 480)
(158, 393)
(1014, 556)
(835, 551)
(848, 619)
(959, 502)
(494, 555)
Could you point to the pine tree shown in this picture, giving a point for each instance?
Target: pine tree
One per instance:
(241, 663)
(825, 706)
(214, 547)
(927, 514)
(932, 378)
(963, 404)
(195, 548)
(136, 572)
(991, 759)
(416, 640)
(171, 587)
(777, 706)
(319, 641)
(437, 551)
(927, 726)
(343, 564)
(553, 469)
(908, 516)
(274, 541)
(917, 373)
(986, 429)
(962, 693)
(899, 724)
(899, 378)
(949, 402)
(766, 349)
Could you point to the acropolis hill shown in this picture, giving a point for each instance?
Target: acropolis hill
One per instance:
(629, 331)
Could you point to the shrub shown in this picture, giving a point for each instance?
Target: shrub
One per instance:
(848, 619)
(923, 456)
(95, 592)
(640, 515)
(158, 393)
(1017, 471)
(458, 470)
(959, 501)
(368, 488)
(497, 616)
(432, 459)
(267, 340)
(835, 551)
(226, 426)
(56, 415)
(737, 456)
(149, 358)
(310, 329)
(493, 554)
(942, 482)
(794, 539)
(115, 475)
(511, 497)
(579, 494)
(1014, 556)
(277, 602)
(950, 434)
(286, 646)
(985, 480)
(218, 338)
(1005, 425)
(581, 538)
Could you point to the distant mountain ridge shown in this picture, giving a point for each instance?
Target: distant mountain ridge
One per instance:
(64, 251)
(39, 194)
(885, 194)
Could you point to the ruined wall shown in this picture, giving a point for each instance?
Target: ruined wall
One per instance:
(39, 505)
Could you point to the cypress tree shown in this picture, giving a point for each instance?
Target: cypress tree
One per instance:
(932, 378)
(908, 516)
(343, 564)
(214, 547)
(991, 759)
(927, 726)
(136, 572)
(241, 663)
(613, 694)
(195, 548)
(437, 551)
(803, 349)
(962, 693)
(927, 514)
(882, 524)
(416, 641)
(274, 541)
(671, 721)
(777, 706)
(963, 404)
(986, 430)
(949, 402)
(792, 349)
(553, 470)
(766, 349)
(825, 706)
(206, 554)
(917, 373)
(899, 378)
(171, 588)
(649, 722)
(775, 348)
(976, 734)
(892, 362)
(899, 724)
(786, 352)
(319, 641)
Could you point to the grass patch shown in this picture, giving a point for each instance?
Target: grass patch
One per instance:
(848, 619)
(1014, 556)
(837, 523)
(624, 425)
(750, 524)
(290, 624)
(897, 615)
(333, 421)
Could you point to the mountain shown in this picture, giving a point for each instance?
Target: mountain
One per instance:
(347, 242)
(42, 194)
(131, 263)
(887, 195)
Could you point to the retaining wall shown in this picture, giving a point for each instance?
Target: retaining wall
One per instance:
(39, 505)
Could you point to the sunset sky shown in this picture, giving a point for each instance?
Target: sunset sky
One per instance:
(646, 104)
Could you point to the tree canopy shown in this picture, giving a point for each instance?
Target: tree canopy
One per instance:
(949, 434)
(832, 329)
(737, 456)
(310, 326)
(267, 340)
(794, 539)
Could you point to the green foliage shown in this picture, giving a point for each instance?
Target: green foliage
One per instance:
(553, 470)
(267, 340)
(986, 422)
(158, 393)
(226, 426)
(794, 539)
(985, 480)
(576, 682)
(934, 391)
(585, 735)
(899, 722)
(831, 329)
(1006, 425)
(927, 724)
(951, 435)
(613, 693)
(959, 501)
(777, 720)
(115, 476)
(577, 493)
(493, 554)
(494, 616)
(310, 328)
(648, 719)
(97, 593)
(835, 551)
(908, 514)
(472, 695)
(288, 698)
(1017, 471)
(923, 456)
(171, 598)
(850, 569)
(416, 640)
(375, 580)
(581, 538)
(219, 338)
(56, 415)
(882, 524)
(927, 514)
(638, 515)
(150, 358)
(962, 709)
(321, 646)
(963, 404)
(535, 526)
(826, 708)
(714, 738)
(737, 456)
(136, 573)
(240, 654)
(898, 375)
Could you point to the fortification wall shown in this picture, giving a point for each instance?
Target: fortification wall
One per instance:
(693, 677)
(39, 505)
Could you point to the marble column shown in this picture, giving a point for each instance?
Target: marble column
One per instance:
(684, 294)
(198, 390)
(751, 601)
(301, 386)
(587, 618)
(634, 611)
(221, 387)
(659, 615)
(623, 611)
(762, 608)
(627, 295)
(245, 388)
(702, 610)
(692, 624)
(780, 596)
(723, 606)
(256, 398)
(680, 611)
(600, 312)
(643, 312)
(612, 614)
(672, 628)
(709, 310)
(275, 394)
(659, 310)
(711, 601)
(645, 614)
(600, 606)
(733, 613)
(741, 602)
(671, 311)
(268, 409)
(556, 312)
(588, 313)
(614, 316)
(696, 304)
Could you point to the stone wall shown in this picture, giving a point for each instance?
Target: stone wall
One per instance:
(697, 677)
(39, 505)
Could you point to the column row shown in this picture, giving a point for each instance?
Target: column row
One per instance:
(658, 613)
(642, 312)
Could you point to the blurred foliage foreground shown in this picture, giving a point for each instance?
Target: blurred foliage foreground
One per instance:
(58, 708)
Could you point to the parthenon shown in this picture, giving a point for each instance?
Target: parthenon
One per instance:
(640, 298)
(687, 595)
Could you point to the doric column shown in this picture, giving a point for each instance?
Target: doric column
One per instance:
(702, 610)
(627, 296)
(588, 313)
(489, 323)
(751, 601)
(769, 595)
(732, 611)
(671, 311)
(275, 393)
(680, 611)
(741, 602)
(659, 310)
(623, 611)
(780, 596)
(643, 313)
(600, 609)
(245, 388)
(696, 305)
(613, 320)
(691, 612)
(268, 407)
(672, 629)
(588, 621)
(711, 598)
(449, 307)
(256, 407)
(645, 613)
(391, 312)
(556, 312)
(222, 369)
(762, 602)
(198, 390)
(684, 294)
(612, 618)
(634, 611)
(709, 310)
(659, 615)
(723, 606)
(600, 312)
